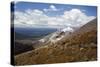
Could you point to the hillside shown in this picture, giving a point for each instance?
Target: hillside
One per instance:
(21, 47)
(80, 45)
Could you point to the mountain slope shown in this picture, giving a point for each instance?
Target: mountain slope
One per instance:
(80, 45)
(20, 48)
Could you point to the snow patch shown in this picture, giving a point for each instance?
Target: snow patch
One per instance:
(42, 40)
(68, 29)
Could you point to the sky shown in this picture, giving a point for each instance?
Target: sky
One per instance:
(51, 15)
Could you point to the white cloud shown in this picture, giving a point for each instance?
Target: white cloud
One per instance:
(76, 17)
(37, 18)
(29, 17)
(51, 8)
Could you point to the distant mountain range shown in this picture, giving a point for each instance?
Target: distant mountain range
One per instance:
(21, 36)
(24, 33)
(64, 46)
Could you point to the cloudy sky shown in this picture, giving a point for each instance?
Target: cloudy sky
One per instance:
(27, 14)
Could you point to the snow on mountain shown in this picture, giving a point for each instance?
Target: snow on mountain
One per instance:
(56, 36)
(68, 29)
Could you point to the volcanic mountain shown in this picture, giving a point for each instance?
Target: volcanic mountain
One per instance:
(63, 46)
